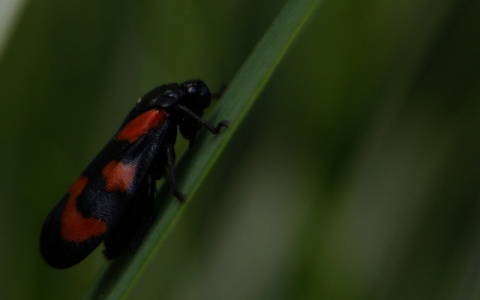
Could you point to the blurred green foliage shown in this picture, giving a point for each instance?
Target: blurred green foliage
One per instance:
(355, 176)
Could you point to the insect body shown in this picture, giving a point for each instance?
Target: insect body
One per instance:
(112, 200)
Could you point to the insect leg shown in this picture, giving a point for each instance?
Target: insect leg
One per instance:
(215, 129)
(219, 93)
(169, 161)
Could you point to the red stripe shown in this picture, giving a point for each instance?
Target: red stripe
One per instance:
(76, 228)
(118, 176)
(141, 124)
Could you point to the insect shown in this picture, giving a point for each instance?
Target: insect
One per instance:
(112, 200)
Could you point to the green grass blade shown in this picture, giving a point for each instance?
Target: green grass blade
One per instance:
(119, 276)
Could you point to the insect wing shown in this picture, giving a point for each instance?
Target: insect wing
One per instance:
(98, 198)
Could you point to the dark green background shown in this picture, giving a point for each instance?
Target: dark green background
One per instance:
(355, 176)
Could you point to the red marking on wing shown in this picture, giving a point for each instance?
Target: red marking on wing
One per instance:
(142, 123)
(75, 227)
(118, 176)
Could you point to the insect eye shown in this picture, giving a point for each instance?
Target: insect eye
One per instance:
(192, 89)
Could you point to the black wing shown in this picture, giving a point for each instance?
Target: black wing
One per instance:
(99, 198)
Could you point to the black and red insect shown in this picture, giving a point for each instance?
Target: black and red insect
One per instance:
(112, 200)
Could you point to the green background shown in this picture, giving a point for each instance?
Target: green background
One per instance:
(355, 175)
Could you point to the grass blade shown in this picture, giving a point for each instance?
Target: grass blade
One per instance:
(120, 275)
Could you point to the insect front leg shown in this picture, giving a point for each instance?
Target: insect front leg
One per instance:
(215, 129)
